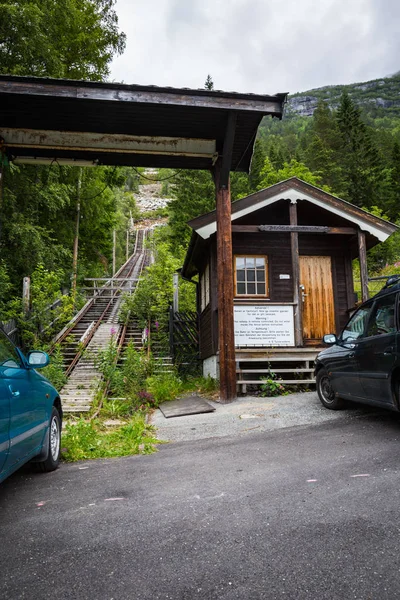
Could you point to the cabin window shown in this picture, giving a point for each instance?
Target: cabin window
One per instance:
(251, 276)
(205, 288)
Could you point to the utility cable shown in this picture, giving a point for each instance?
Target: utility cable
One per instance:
(103, 190)
(157, 180)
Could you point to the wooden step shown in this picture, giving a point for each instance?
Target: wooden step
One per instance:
(292, 370)
(283, 381)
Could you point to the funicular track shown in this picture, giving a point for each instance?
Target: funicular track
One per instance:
(91, 329)
(130, 332)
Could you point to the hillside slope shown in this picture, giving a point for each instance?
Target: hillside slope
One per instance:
(378, 98)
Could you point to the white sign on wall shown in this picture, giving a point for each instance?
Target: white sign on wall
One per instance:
(267, 325)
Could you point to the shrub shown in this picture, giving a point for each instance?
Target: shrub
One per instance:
(165, 386)
(55, 370)
(272, 387)
(207, 385)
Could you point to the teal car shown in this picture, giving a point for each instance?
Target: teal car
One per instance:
(30, 411)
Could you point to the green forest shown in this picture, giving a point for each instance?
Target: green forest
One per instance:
(43, 205)
(350, 146)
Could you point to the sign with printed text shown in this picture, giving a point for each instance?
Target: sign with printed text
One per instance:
(264, 326)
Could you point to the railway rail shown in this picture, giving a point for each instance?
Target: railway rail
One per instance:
(93, 327)
(102, 307)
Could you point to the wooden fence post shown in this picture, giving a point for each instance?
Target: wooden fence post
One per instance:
(26, 295)
(175, 302)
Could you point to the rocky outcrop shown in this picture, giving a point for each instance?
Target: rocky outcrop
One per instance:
(302, 105)
(149, 197)
(381, 93)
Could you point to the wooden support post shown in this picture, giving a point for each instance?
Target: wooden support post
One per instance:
(175, 301)
(127, 244)
(226, 334)
(294, 243)
(362, 255)
(26, 295)
(171, 333)
(76, 238)
(114, 251)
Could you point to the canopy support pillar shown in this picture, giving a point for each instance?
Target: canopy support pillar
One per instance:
(298, 308)
(226, 334)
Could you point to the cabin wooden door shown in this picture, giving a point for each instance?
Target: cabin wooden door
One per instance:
(318, 300)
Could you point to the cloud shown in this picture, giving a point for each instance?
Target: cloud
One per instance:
(259, 46)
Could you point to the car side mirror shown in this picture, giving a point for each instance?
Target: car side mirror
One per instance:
(37, 359)
(330, 338)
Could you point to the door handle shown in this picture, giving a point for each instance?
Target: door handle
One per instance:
(388, 351)
(302, 288)
(13, 392)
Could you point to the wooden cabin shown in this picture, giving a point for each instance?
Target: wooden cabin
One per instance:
(293, 246)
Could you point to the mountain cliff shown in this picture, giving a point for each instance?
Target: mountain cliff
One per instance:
(378, 98)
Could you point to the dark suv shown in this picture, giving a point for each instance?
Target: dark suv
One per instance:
(363, 363)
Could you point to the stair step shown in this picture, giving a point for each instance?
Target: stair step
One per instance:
(292, 370)
(284, 381)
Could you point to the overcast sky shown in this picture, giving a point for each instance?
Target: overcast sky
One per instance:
(261, 46)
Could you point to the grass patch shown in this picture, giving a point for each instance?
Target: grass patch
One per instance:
(206, 385)
(134, 389)
(83, 440)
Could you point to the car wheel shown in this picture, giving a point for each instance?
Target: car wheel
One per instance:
(53, 458)
(326, 393)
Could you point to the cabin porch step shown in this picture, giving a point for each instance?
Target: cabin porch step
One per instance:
(283, 381)
(260, 359)
(254, 368)
(291, 370)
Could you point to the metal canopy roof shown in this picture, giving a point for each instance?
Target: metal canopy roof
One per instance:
(116, 124)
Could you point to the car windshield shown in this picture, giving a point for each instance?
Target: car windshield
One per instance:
(356, 326)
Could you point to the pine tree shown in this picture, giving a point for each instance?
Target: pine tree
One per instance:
(209, 84)
(360, 160)
(322, 148)
(393, 210)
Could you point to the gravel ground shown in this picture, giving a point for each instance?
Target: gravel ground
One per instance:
(247, 414)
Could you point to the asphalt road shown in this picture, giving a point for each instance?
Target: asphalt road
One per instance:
(308, 512)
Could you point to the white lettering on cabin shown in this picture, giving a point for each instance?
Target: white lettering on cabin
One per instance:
(264, 326)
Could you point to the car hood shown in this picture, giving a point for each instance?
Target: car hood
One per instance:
(328, 351)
